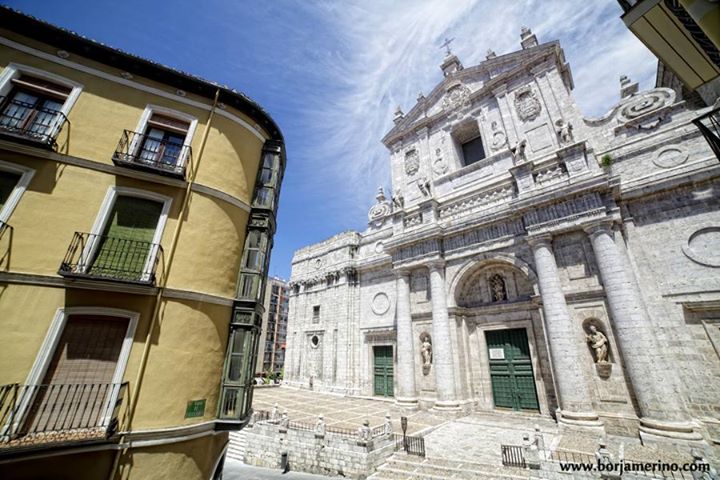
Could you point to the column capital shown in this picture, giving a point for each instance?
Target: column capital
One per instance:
(436, 265)
(401, 272)
(537, 241)
(598, 227)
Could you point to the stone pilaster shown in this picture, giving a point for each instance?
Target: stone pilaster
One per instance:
(573, 392)
(441, 341)
(661, 412)
(406, 393)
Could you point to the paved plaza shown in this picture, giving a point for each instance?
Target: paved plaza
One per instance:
(341, 411)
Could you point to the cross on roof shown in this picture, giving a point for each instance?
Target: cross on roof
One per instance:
(446, 45)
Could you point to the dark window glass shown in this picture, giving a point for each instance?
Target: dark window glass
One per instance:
(473, 151)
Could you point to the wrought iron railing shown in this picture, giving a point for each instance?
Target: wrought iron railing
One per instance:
(141, 151)
(709, 126)
(411, 445)
(38, 415)
(111, 258)
(512, 456)
(30, 122)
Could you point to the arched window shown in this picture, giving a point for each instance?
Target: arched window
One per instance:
(498, 291)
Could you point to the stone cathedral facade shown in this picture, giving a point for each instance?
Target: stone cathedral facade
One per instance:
(529, 258)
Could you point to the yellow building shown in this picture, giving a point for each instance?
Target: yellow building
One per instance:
(137, 211)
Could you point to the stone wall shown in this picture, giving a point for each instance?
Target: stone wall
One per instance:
(328, 455)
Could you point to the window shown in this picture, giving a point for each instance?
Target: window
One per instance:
(78, 373)
(268, 181)
(468, 142)
(34, 104)
(124, 243)
(253, 265)
(160, 142)
(316, 314)
(239, 367)
(14, 180)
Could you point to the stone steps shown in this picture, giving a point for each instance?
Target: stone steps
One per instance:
(407, 467)
(237, 445)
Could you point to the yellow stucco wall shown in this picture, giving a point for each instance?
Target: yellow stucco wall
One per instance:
(187, 345)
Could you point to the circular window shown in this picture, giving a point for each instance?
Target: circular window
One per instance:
(315, 340)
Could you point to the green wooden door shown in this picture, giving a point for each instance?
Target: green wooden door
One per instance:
(513, 383)
(383, 366)
(126, 242)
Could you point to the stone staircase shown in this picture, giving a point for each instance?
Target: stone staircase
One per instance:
(237, 445)
(401, 466)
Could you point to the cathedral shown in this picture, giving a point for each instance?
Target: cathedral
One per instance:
(528, 259)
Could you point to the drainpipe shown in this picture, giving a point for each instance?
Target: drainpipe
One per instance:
(161, 288)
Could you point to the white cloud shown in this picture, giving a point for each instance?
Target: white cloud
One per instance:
(389, 51)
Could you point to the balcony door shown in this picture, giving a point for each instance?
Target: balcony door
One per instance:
(77, 390)
(126, 250)
(33, 107)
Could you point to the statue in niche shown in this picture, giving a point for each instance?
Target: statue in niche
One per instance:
(599, 343)
(564, 131)
(518, 152)
(397, 199)
(426, 351)
(424, 186)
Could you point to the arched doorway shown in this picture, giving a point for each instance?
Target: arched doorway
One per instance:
(509, 367)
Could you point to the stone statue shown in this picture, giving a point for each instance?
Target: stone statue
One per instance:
(284, 422)
(424, 185)
(426, 350)
(564, 131)
(603, 455)
(599, 343)
(539, 440)
(274, 413)
(320, 426)
(365, 432)
(518, 152)
(397, 199)
(388, 428)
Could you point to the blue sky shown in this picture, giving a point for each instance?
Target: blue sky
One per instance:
(332, 72)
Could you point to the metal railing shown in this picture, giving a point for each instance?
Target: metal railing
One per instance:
(411, 445)
(111, 258)
(36, 415)
(30, 122)
(709, 126)
(512, 456)
(141, 151)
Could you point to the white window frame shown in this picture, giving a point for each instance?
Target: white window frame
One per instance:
(26, 175)
(49, 345)
(143, 123)
(15, 70)
(104, 215)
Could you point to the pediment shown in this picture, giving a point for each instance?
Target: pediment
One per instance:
(457, 91)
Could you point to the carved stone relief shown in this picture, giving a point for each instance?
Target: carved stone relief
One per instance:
(499, 140)
(412, 162)
(670, 157)
(439, 165)
(456, 96)
(380, 304)
(645, 103)
(527, 104)
(703, 247)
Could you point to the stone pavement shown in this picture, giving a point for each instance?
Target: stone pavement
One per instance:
(341, 411)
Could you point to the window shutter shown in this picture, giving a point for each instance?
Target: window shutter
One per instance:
(43, 86)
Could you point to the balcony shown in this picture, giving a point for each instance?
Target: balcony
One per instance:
(143, 152)
(29, 123)
(100, 257)
(709, 126)
(41, 416)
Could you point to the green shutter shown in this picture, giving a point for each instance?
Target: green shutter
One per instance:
(8, 182)
(126, 241)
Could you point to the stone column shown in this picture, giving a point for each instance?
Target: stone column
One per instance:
(406, 394)
(656, 392)
(442, 360)
(563, 337)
